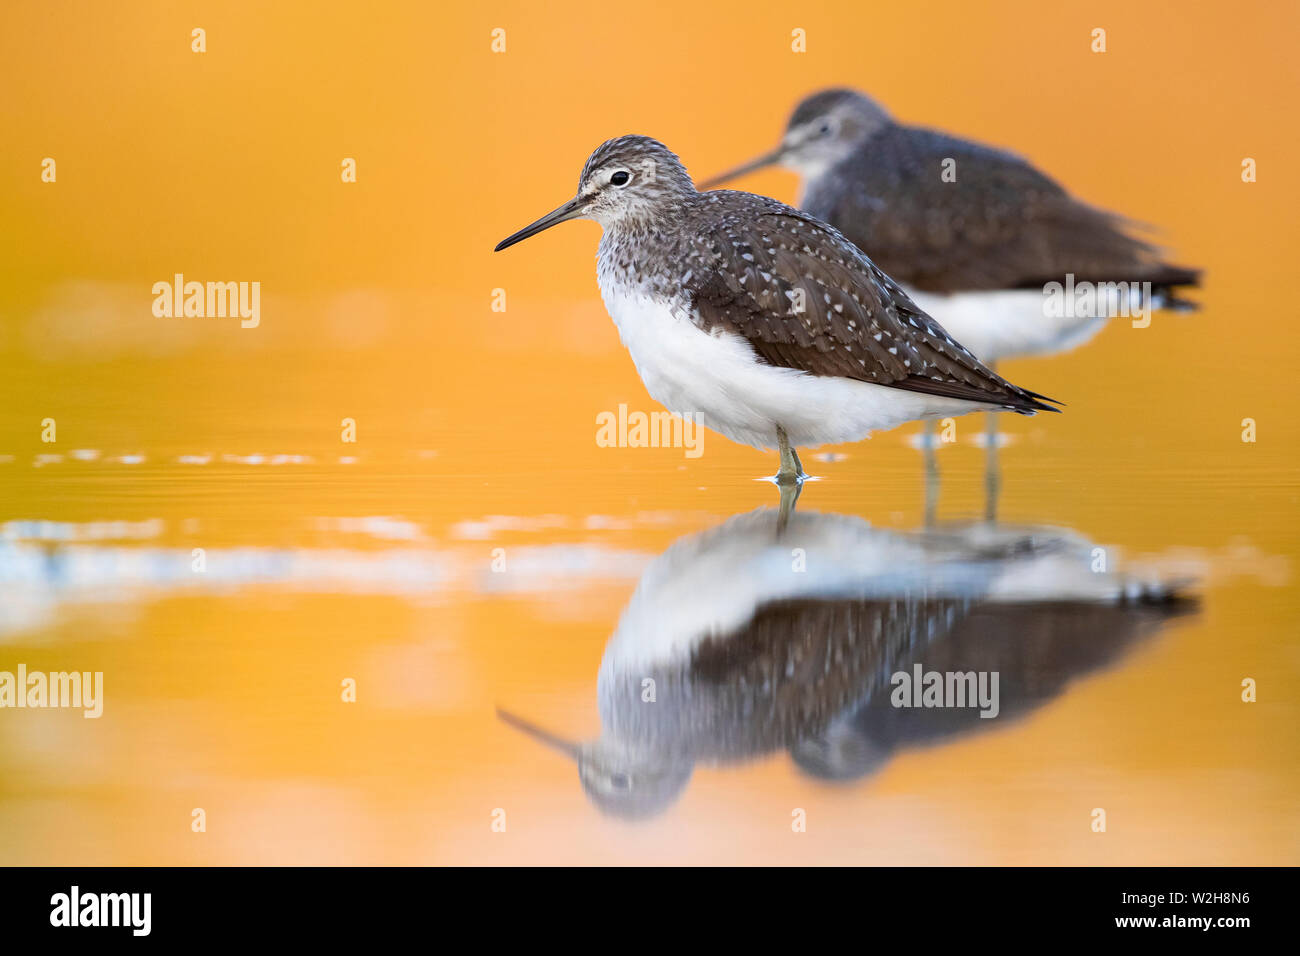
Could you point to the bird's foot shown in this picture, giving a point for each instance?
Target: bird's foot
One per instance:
(791, 471)
(789, 479)
(784, 478)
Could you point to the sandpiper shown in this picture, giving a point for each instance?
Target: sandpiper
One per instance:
(760, 320)
(974, 234)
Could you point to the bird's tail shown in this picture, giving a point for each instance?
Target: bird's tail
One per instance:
(1166, 288)
(1032, 402)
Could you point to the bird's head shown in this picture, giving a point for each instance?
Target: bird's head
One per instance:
(633, 786)
(631, 177)
(823, 130)
(621, 781)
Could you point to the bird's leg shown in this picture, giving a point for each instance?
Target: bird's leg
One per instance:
(992, 473)
(791, 471)
(931, 472)
(789, 497)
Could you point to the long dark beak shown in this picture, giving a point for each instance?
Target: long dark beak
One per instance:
(570, 210)
(767, 159)
(566, 747)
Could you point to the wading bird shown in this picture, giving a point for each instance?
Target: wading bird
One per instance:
(974, 234)
(761, 321)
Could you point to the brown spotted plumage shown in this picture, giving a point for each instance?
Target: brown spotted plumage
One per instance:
(807, 299)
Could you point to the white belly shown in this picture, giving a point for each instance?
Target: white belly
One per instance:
(1011, 323)
(718, 380)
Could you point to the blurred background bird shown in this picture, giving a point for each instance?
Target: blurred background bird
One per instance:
(1006, 260)
(973, 233)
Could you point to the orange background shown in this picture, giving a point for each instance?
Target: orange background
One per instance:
(376, 305)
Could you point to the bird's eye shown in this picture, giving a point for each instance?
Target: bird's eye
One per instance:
(619, 780)
(620, 178)
(826, 129)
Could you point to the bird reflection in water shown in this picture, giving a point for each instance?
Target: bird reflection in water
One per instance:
(779, 630)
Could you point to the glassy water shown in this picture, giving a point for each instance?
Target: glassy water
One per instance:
(365, 652)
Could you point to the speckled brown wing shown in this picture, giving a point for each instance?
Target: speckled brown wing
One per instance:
(1036, 648)
(1000, 225)
(806, 298)
(783, 676)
